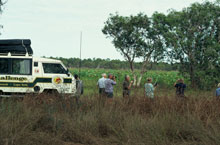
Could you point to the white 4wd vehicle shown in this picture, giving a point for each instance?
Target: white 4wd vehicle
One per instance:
(22, 73)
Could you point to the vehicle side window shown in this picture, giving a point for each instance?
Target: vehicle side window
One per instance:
(53, 68)
(35, 64)
(21, 66)
(4, 67)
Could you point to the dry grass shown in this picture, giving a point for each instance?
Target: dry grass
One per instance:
(56, 120)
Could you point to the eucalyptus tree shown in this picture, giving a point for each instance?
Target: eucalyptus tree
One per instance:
(127, 33)
(153, 45)
(193, 39)
(135, 37)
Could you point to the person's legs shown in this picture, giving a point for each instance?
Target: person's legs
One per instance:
(125, 94)
(126, 97)
(77, 100)
(102, 96)
(110, 97)
(100, 91)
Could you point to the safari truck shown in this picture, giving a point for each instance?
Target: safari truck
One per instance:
(22, 73)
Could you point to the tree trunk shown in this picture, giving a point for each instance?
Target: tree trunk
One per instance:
(135, 81)
(132, 71)
(143, 70)
(192, 77)
(139, 80)
(192, 69)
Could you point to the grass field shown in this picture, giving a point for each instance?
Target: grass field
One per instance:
(49, 119)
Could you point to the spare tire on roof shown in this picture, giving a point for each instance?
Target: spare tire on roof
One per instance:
(15, 42)
(16, 46)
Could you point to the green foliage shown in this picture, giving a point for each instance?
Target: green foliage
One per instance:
(193, 38)
(135, 37)
(164, 78)
(113, 64)
(127, 33)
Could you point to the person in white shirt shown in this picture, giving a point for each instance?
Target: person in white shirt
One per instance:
(101, 84)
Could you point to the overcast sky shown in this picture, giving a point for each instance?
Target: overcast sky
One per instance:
(54, 25)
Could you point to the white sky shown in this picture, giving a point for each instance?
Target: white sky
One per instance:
(54, 25)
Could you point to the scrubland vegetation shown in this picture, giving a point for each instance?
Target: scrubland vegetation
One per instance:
(57, 120)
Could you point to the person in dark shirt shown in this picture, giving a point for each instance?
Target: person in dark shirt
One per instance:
(218, 92)
(127, 86)
(180, 88)
(79, 88)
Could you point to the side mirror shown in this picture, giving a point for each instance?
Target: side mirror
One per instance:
(67, 72)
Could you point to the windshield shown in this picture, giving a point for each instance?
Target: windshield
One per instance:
(53, 68)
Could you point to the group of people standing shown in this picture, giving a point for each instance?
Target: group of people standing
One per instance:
(106, 86)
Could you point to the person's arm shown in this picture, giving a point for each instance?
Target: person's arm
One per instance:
(82, 88)
(176, 85)
(129, 87)
(155, 86)
(98, 83)
(145, 90)
(105, 83)
(152, 87)
(113, 82)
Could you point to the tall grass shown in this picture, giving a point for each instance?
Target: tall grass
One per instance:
(58, 120)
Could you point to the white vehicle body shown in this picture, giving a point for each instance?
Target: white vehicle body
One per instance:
(29, 74)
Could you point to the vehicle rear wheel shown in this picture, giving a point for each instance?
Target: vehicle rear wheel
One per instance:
(51, 93)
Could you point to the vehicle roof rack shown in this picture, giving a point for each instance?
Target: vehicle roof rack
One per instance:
(16, 47)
